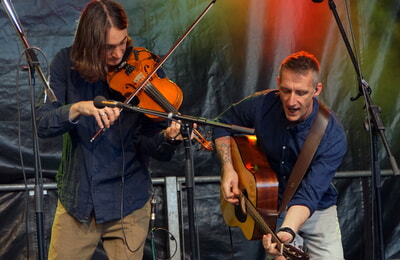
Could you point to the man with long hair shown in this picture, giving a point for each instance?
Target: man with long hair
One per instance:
(104, 185)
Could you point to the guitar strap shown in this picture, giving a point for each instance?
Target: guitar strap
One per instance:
(306, 154)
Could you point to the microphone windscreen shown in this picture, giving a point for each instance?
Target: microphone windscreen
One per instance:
(98, 101)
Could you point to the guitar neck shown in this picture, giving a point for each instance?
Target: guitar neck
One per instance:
(255, 172)
(288, 251)
(259, 220)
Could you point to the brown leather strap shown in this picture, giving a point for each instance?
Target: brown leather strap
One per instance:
(306, 154)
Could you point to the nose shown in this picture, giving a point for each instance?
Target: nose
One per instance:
(291, 101)
(117, 52)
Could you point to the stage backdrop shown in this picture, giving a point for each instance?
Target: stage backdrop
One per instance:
(233, 51)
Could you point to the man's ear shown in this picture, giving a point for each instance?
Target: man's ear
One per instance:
(318, 89)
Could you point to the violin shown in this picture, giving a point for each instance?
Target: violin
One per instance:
(159, 93)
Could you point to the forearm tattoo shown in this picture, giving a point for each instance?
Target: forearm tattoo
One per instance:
(224, 151)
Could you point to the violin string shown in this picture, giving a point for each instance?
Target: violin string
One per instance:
(161, 100)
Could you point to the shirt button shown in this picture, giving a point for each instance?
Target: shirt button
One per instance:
(283, 162)
(284, 147)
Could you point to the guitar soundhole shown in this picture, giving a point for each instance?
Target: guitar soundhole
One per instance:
(239, 214)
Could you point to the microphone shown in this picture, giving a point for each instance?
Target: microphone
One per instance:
(101, 102)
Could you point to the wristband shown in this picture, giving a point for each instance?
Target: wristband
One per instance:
(288, 230)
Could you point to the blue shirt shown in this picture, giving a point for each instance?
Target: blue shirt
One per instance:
(98, 178)
(282, 143)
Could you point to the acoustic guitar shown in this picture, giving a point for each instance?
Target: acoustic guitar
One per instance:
(258, 202)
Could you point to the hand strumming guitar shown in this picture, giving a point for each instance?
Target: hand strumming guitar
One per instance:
(229, 177)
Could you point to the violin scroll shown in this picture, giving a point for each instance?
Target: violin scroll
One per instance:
(205, 144)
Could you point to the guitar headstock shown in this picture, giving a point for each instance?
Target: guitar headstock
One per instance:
(293, 253)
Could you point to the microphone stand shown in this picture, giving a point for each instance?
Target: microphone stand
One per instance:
(189, 166)
(375, 126)
(189, 187)
(34, 65)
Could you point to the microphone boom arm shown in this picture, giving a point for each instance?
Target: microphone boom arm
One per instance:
(365, 90)
(174, 116)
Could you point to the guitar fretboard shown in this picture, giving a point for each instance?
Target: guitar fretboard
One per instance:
(253, 212)
(289, 252)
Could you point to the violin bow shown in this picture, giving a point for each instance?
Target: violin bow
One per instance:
(172, 49)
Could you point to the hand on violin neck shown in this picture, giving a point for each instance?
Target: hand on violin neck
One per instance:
(173, 132)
